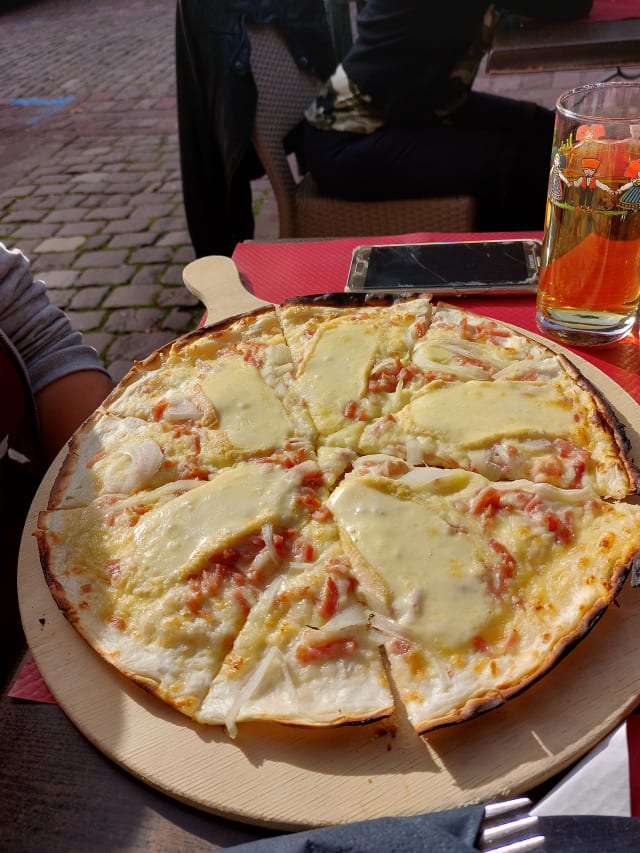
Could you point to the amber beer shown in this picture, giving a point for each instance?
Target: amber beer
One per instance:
(589, 286)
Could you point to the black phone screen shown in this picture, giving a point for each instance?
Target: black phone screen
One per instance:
(441, 264)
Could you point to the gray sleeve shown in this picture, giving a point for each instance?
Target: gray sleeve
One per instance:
(40, 331)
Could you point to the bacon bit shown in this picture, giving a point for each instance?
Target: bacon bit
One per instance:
(350, 410)
(563, 447)
(240, 599)
(577, 457)
(229, 556)
(463, 328)
(194, 472)
(107, 500)
(113, 570)
(332, 650)
(254, 354)
(560, 527)
(194, 604)
(384, 377)
(100, 455)
(135, 513)
(420, 328)
(118, 623)
(511, 641)
(229, 349)
(327, 603)
(322, 514)
(179, 430)
(303, 552)
(487, 501)
(167, 464)
(400, 646)
(381, 425)
(278, 541)
(504, 570)
(209, 581)
(159, 409)
(288, 457)
(388, 467)
(551, 467)
(356, 411)
(489, 331)
(313, 478)
(528, 376)
(86, 587)
(308, 497)
(309, 331)
(480, 645)
(340, 567)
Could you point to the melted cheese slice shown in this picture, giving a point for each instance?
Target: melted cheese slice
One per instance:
(336, 370)
(172, 539)
(248, 410)
(499, 410)
(430, 569)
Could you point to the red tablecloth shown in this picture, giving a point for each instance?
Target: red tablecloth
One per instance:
(614, 10)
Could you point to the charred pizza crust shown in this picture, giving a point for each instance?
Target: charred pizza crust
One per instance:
(269, 519)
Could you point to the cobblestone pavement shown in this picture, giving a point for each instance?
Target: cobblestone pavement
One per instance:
(89, 173)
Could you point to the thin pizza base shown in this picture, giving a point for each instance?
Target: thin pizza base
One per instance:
(169, 560)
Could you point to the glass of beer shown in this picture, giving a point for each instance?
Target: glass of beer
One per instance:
(589, 285)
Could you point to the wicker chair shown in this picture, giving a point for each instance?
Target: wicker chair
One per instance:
(284, 91)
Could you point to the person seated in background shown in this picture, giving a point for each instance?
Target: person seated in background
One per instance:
(50, 382)
(398, 117)
(217, 98)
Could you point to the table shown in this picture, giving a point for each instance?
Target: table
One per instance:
(59, 792)
(608, 37)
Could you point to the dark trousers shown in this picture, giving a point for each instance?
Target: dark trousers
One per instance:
(498, 150)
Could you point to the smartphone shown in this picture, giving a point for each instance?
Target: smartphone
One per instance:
(458, 269)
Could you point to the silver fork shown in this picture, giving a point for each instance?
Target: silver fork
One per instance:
(508, 827)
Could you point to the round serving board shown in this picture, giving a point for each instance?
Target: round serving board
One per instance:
(290, 778)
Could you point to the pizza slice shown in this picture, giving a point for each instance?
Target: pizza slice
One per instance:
(160, 583)
(353, 359)
(234, 379)
(498, 580)
(470, 346)
(306, 655)
(555, 429)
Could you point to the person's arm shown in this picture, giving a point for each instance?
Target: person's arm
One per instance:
(66, 403)
(67, 378)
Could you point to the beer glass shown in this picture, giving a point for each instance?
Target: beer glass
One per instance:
(589, 285)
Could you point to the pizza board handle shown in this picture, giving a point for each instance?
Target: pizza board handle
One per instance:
(216, 282)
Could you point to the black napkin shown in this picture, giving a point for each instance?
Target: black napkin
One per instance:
(590, 834)
(451, 831)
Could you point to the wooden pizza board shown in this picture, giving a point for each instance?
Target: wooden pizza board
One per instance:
(290, 778)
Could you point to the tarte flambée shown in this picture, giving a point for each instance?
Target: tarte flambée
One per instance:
(313, 512)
